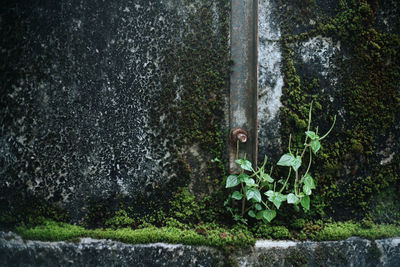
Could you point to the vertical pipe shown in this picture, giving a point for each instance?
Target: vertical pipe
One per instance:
(243, 81)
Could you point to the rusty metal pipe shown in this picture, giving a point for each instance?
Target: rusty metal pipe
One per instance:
(243, 82)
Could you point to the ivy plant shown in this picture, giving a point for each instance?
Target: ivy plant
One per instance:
(260, 195)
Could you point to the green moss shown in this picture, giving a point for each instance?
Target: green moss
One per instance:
(344, 230)
(32, 212)
(197, 74)
(271, 232)
(298, 223)
(120, 220)
(356, 146)
(211, 235)
(348, 170)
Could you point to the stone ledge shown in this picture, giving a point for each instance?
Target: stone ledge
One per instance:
(91, 252)
(353, 251)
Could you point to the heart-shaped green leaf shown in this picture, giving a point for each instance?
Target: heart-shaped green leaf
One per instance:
(251, 214)
(244, 164)
(267, 178)
(290, 161)
(312, 135)
(237, 195)
(250, 182)
(307, 190)
(286, 160)
(297, 163)
(292, 199)
(269, 215)
(308, 180)
(232, 181)
(315, 146)
(305, 202)
(253, 193)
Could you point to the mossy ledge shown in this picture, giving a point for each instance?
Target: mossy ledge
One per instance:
(212, 235)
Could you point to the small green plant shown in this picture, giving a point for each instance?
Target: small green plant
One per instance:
(258, 191)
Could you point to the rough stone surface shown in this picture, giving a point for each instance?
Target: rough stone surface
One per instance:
(270, 81)
(90, 252)
(351, 252)
(80, 83)
(310, 51)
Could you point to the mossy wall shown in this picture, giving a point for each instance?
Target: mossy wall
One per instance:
(344, 56)
(105, 102)
(108, 110)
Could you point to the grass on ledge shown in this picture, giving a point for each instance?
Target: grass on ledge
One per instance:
(344, 230)
(210, 235)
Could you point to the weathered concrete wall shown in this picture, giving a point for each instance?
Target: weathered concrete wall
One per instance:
(92, 95)
(341, 55)
(104, 101)
(353, 251)
(90, 252)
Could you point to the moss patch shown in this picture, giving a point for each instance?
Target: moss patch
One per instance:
(209, 235)
(351, 169)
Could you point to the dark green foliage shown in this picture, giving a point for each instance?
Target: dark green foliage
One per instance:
(349, 171)
(209, 235)
(195, 87)
(33, 212)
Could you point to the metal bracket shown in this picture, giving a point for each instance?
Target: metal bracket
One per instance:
(243, 82)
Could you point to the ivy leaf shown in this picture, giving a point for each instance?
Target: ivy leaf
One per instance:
(267, 178)
(297, 163)
(242, 177)
(308, 180)
(307, 189)
(232, 181)
(237, 195)
(250, 182)
(312, 135)
(269, 215)
(286, 160)
(251, 214)
(315, 146)
(292, 199)
(258, 207)
(244, 164)
(290, 161)
(253, 193)
(269, 193)
(305, 202)
(278, 199)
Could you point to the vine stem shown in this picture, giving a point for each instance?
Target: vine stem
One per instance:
(333, 124)
(304, 150)
(287, 179)
(309, 164)
(243, 201)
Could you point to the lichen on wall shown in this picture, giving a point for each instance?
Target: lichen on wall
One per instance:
(101, 101)
(343, 57)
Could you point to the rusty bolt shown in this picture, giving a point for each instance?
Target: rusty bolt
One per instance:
(238, 134)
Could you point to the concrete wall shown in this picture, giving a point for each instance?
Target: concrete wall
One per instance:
(341, 55)
(95, 95)
(103, 101)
